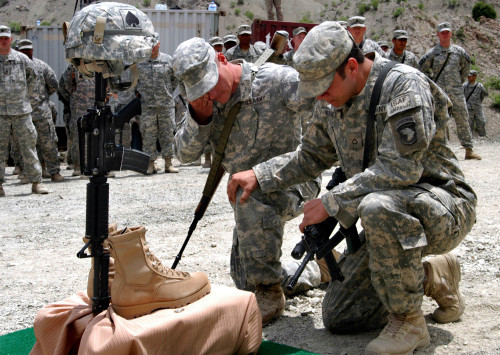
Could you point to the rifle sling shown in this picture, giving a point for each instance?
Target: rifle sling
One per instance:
(441, 70)
(468, 97)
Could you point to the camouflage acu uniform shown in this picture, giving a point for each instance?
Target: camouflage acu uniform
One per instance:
(237, 53)
(17, 82)
(270, 5)
(263, 128)
(412, 199)
(81, 95)
(407, 58)
(476, 94)
(46, 85)
(156, 86)
(288, 57)
(367, 45)
(452, 76)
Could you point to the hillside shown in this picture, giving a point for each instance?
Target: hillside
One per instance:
(418, 17)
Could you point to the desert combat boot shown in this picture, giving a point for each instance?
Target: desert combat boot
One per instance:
(2, 192)
(169, 167)
(142, 284)
(442, 275)
(271, 301)
(38, 188)
(470, 154)
(402, 335)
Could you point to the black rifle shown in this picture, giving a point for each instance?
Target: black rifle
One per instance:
(101, 151)
(316, 241)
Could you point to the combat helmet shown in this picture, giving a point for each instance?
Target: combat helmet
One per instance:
(108, 37)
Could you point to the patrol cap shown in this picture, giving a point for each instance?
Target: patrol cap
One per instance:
(25, 44)
(244, 29)
(444, 26)
(356, 21)
(298, 30)
(400, 34)
(383, 44)
(473, 73)
(215, 41)
(194, 65)
(230, 38)
(323, 50)
(261, 46)
(343, 23)
(5, 31)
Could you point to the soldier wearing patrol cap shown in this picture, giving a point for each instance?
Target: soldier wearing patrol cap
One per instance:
(17, 82)
(384, 46)
(270, 109)
(398, 52)
(230, 41)
(356, 26)
(412, 198)
(474, 95)
(244, 50)
(217, 43)
(448, 65)
(299, 34)
(46, 85)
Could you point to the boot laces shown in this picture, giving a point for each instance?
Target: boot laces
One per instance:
(394, 326)
(158, 266)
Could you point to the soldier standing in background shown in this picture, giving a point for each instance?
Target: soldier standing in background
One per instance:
(356, 26)
(217, 43)
(399, 53)
(384, 46)
(244, 50)
(448, 66)
(17, 81)
(156, 87)
(299, 34)
(229, 42)
(270, 5)
(46, 85)
(474, 96)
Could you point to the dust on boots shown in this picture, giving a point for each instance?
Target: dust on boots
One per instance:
(142, 284)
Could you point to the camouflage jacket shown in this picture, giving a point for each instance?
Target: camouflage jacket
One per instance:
(264, 127)
(237, 53)
(78, 90)
(367, 46)
(407, 58)
(288, 57)
(411, 144)
(157, 81)
(455, 71)
(17, 82)
(475, 94)
(46, 85)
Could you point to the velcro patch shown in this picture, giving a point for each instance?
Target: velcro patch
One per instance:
(401, 103)
(407, 129)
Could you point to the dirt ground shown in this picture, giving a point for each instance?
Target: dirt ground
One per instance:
(40, 236)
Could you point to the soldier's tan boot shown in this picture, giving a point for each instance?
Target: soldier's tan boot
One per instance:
(112, 230)
(17, 170)
(442, 276)
(325, 274)
(142, 284)
(25, 180)
(208, 161)
(402, 335)
(169, 168)
(470, 154)
(2, 192)
(38, 188)
(45, 173)
(57, 177)
(151, 168)
(271, 301)
(77, 171)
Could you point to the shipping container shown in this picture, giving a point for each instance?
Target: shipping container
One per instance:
(263, 30)
(173, 27)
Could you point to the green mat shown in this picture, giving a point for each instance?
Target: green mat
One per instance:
(22, 341)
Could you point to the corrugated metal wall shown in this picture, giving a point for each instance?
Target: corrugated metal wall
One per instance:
(173, 27)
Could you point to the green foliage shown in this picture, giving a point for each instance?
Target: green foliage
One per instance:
(306, 18)
(15, 27)
(241, 2)
(460, 34)
(333, 3)
(343, 18)
(362, 8)
(237, 12)
(493, 83)
(496, 101)
(3, 3)
(45, 23)
(146, 3)
(249, 14)
(436, 16)
(473, 60)
(398, 12)
(483, 9)
(421, 5)
(453, 3)
(233, 4)
(374, 4)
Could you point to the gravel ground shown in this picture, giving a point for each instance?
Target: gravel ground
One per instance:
(40, 236)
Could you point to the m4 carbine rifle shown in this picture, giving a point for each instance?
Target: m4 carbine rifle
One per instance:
(316, 241)
(101, 151)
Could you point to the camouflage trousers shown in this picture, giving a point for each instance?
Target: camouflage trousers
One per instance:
(157, 123)
(24, 133)
(386, 274)
(258, 234)
(461, 117)
(477, 121)
(270, 11)
(73, 147)
(46, 141)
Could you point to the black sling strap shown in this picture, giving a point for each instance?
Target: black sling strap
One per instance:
(377, 91)
(468, 97)
(441, 70)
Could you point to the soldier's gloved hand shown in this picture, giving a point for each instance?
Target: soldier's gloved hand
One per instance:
(246, 180)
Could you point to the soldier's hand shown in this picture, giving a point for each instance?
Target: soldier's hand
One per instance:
(202, 108)
(314, 213)
(246, 180)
